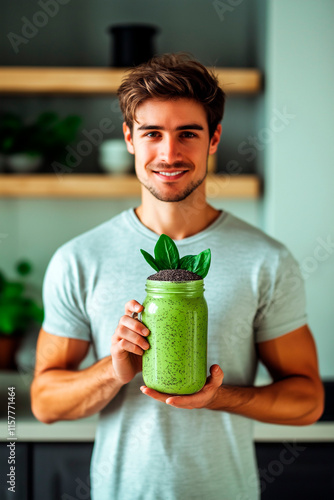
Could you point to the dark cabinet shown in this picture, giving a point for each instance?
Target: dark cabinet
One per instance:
(291, 471)
(61, 471)
(47, 471)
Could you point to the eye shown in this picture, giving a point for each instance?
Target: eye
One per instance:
(188, 135)
(152, 135)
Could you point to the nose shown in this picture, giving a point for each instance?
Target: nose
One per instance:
(170, 150)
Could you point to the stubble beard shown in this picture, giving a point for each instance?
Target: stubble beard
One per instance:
(177, 197)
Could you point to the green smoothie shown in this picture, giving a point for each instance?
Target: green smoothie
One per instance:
(176, 314)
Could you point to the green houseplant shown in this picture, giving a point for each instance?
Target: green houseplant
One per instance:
(25, 146)
(18, 311)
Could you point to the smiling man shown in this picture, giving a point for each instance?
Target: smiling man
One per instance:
(150, 445)
(171, 143)
(175, 149)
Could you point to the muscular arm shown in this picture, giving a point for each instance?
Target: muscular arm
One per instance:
(62, 392)
(296, 396)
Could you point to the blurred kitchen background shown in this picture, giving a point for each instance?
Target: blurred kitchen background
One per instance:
(282, 135)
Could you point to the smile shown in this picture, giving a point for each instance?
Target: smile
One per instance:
(175, 175)
(170, 174)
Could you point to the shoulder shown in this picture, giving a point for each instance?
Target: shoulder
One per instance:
(250, 251)
(94, 244)
(250, 237)
(97, 238)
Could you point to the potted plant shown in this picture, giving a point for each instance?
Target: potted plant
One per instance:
(25, 146)
(19, 310)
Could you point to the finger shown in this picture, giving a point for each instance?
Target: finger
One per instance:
(127, 346)
(215, 379)
(124, 333)
(190, 401)
(134, 325)
(216, 375)
(159, 396)
(133, 306)
(198, 399)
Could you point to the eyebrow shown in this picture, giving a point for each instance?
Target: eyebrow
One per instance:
(190, 126)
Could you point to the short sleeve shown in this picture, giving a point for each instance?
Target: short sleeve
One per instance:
(283, 303)
(63, 300)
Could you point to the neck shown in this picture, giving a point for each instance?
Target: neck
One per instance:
(178, 220)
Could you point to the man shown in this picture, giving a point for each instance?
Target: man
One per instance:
(148, 444)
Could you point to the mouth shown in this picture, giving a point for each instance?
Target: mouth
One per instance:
(170, 175)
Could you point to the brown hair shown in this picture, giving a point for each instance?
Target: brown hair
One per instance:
(172, 76)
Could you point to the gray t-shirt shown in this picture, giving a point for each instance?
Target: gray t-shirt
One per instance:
(145, 449)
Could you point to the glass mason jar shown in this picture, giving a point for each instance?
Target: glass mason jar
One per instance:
(176, 314)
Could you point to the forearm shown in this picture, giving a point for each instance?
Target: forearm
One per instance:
(295, 400)
(58, 394)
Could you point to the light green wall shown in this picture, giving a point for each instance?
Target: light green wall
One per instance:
(299, 163)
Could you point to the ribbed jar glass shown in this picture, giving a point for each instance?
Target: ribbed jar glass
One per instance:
(176, 314)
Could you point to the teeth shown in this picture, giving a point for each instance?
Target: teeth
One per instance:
(170, 174)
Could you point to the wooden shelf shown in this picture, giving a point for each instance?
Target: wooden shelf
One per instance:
(99, 81)
(105, 81)
(108, 186)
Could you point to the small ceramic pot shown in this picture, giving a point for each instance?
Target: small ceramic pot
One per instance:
(22, 163)
(114, 157)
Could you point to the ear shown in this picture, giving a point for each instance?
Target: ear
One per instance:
(215, 139)
(128, 139)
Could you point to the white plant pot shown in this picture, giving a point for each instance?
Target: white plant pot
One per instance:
(114, 157)
(22, 163)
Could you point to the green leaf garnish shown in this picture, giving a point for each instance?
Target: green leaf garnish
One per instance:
(186, 262)
(150, 260)
(202, 263)
(166, 256)
(166, 253)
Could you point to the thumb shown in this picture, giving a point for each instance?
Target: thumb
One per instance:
(217, 374)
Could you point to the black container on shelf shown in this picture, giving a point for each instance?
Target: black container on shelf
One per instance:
(132, 44)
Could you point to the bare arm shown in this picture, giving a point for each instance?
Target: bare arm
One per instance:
(62, 392)
(296, 396)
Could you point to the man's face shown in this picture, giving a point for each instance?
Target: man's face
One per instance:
(170, 141)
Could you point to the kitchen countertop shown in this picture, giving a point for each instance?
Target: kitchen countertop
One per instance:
(28, 429)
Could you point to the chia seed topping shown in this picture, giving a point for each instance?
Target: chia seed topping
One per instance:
(174, 275)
